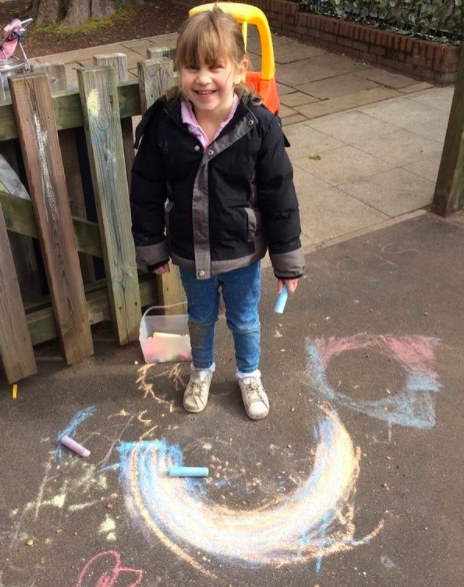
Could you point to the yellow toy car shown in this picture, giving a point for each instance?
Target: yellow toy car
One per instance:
(263, 81)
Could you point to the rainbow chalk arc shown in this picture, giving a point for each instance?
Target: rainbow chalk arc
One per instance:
(313, 521)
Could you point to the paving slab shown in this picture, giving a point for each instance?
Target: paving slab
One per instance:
(346, 102)
(255, 61)
(434, 128)
(387, 78)
(404, 112)
(296, 99)
(294, 119)
(286, 111)
(354, 479)
(168, 40)
(393, 192)
(254, 43)
(351, 127)
(427, 168)
(137, 43)
(344, 165)
(337, 86)
(294, 51)
(132, 59)
(327, 212)
(440, 98)
(317, 68)
(416, 87)
(283, 89)
(306, 142)
(141, 50)
(84, 54)
(400, 147)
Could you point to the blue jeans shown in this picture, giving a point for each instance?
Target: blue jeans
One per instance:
(241, 291)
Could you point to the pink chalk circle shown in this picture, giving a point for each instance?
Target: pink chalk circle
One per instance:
(75, 446)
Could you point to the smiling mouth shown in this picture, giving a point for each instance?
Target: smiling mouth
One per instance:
(205, 92)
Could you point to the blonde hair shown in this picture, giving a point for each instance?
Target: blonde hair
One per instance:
(212, 35)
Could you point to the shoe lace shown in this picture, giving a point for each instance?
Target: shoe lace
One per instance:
(254, 391)
(197, 388)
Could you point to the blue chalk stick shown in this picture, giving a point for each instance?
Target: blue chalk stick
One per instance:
(281, 301)
(188, 472)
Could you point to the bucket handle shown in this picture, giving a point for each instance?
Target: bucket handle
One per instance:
(162, 307)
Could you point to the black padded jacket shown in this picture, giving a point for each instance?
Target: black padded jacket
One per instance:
(220, 209)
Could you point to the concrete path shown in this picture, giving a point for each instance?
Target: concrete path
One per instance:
(366, 143)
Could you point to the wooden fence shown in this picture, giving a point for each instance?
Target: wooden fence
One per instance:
(47, 120)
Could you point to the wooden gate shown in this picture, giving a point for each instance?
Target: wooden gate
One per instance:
(47, 119)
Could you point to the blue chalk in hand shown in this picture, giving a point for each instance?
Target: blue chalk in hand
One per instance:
(188, 472)
(281, 301)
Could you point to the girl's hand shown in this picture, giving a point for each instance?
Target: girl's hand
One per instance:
(291, 284)
(162, 270)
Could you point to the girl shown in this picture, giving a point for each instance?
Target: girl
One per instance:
(212, 189)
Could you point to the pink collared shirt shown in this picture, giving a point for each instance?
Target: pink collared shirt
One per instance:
(189, 118)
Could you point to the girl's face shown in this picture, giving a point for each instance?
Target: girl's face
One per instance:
(211, 87)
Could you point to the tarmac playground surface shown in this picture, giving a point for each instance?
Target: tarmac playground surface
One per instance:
(354, 479)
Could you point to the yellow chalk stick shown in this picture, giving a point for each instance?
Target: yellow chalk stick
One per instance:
(15, 390)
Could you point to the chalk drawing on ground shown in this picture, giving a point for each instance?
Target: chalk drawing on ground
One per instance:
(71, 428)
(105, 570)
(413, 406)
(314, 519)
(317, 519)
(146, 384)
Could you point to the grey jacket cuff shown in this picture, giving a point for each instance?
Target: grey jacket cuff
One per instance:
(152, 254)
(288, 265)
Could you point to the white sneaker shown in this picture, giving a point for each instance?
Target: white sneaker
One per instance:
(254, 397)
(197, 391)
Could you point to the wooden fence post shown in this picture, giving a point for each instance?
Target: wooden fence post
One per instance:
(157, 52)
(35, 120)
(100, 105)
(119, 62)
(56, 73)
(116, 60)
(155, 76)
(15, 342)
(449, 188)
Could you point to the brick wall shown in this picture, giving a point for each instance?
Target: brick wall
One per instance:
(424, 60)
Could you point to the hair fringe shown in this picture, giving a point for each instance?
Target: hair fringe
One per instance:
(222, 25)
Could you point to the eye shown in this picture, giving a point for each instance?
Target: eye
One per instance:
(217, 66)
(191, 67)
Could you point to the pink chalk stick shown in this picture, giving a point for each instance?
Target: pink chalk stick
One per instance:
(75, 446)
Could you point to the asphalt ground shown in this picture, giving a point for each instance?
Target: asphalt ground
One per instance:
(354, 479)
